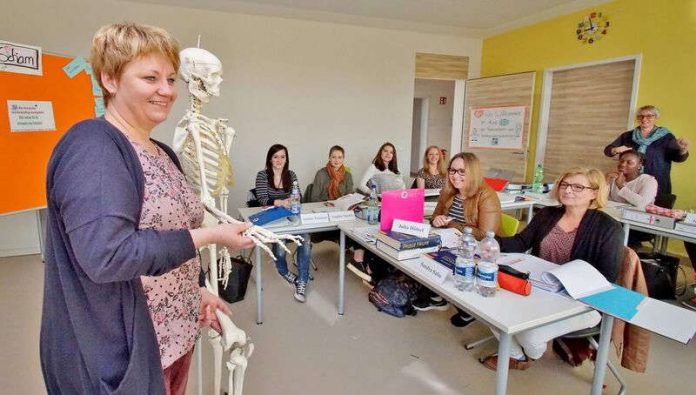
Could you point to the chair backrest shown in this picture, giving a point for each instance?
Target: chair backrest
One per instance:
(252, 200)
(307, 196)
(508, 225)
(666, 200)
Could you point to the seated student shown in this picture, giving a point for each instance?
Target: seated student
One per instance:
(465, 201)
(433, 173)
(383, 173)
(333, 180)
(628, 185)
(575, 230)
(273, 187)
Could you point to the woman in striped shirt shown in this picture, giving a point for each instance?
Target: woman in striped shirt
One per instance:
(273, 187)
(465, 201)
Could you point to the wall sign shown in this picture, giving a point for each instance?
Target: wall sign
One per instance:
(31, 116)
(20, 58)
(496, 127)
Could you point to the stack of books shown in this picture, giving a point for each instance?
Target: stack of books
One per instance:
(401, 246)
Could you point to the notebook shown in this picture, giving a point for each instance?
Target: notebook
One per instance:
(405, 204)
(269, 215)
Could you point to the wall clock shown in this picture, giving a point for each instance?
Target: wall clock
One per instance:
(592, 28)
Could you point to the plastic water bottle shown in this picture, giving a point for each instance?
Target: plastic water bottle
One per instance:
(373, 207)
(295, 203)
(487, 273)
(538, 181)
(464, 265)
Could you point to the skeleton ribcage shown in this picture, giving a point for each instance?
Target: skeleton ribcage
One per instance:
(217, 166)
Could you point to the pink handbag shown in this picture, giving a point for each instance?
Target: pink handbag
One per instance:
(404, 204)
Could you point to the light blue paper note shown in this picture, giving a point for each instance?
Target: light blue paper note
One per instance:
(75, 66)
(618, 302)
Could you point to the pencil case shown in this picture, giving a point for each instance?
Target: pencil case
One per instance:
(514, 284)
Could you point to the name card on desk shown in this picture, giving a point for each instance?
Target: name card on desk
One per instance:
(314, 218)
(436, 272)
(337, 216)
(411, 228)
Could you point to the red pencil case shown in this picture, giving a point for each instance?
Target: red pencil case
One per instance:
(514, 284)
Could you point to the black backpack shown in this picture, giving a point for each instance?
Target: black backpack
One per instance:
(394, 295)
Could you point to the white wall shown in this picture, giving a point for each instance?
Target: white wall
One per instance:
(439, 115)
(304, 84)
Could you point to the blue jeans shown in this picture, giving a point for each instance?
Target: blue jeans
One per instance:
(303, 254)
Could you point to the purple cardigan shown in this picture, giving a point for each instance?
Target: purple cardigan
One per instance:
(96, 332)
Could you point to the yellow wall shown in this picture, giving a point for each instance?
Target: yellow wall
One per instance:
(663, 32)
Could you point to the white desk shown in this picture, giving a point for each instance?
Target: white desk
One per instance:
(527, 204)
(508, 312)
(300, 228)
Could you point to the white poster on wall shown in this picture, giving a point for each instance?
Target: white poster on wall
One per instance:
(20, 58)
(31, 116)
(496, 127)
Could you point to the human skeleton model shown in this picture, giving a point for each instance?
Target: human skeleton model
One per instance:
(203, 145)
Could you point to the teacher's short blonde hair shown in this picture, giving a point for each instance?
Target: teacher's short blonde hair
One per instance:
(114, 45)
(594, 177)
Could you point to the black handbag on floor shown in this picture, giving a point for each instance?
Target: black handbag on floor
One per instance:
(660, 275)
(237, 281)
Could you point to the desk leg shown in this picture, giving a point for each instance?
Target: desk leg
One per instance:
(627, 228)
(259, 286)
(341, 272)
(602, 354)
(530, 213)
(503, 363)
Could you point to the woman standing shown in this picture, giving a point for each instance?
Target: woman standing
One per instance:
(466, 201)
(433, 173)
(575, 230)
(273, 187)
(118, 209)
(658, 144)
(333, 180)
(384, 171)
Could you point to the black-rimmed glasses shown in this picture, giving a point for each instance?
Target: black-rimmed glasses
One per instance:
(573, 187)
(461, 172)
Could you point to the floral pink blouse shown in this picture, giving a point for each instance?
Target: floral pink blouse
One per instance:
(174, 297)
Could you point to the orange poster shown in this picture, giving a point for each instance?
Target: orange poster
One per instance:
(24, 154)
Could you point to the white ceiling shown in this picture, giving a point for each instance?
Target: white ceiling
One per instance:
(473, 18)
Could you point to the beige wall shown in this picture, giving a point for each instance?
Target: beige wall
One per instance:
(439, 115)
(308, 85)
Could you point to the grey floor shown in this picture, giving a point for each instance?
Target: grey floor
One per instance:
(309, 349)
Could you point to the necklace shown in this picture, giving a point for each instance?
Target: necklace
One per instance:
(124, 128)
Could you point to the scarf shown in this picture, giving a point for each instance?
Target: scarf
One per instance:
(335, 178)
(643, 142)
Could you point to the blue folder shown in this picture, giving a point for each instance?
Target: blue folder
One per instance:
(269, 215)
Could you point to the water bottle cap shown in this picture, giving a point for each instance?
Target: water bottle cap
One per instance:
(468, 230)
(490, 233)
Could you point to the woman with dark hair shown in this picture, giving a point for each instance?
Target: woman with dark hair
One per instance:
(333, 180)
(628, 185)
(384, 171)
(273, 187)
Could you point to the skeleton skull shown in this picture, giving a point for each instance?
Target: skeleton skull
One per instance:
(202, 71)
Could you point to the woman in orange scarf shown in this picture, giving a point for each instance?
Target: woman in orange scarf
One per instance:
(332, 181)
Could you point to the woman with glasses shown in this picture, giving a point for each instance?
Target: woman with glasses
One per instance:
(465, 201)
(574, 230)
(659, 146)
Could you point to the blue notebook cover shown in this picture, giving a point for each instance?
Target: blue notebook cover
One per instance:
(269, 215)
(618, 302)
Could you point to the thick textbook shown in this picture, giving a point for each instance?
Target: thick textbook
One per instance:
(401, 255)
(402, 241)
